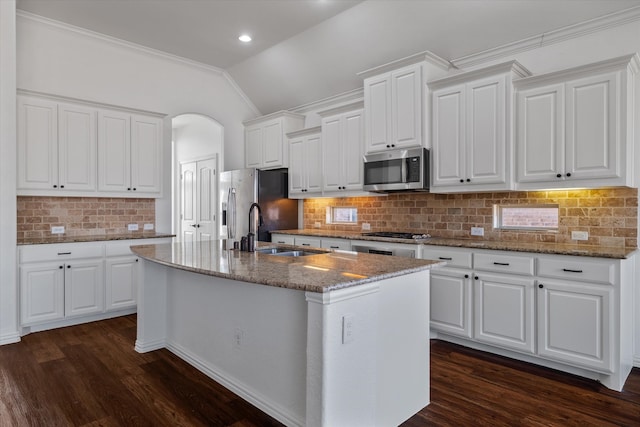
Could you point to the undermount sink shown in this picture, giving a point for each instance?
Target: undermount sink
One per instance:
(288, 252)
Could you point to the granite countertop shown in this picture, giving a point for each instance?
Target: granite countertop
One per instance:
(323, 272)
(62, 238)
(515, 246)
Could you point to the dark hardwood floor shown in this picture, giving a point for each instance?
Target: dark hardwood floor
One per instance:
(90, 375)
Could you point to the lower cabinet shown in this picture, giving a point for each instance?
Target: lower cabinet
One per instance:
(574, 323)
(282, 239)
(504, 310)
(41, 292)
(83, 287)
(121, 284)
(450, 304)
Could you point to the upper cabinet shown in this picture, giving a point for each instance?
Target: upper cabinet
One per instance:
(56, 146)
(305, 171)
(394, 102)
(574, 128)
(265, 141)
(471, 129)
(82, 149)
(129, 153)
(342, 149)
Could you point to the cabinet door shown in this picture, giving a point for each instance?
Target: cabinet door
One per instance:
(448, 154)
(77, 146)
(114, 151)
(37, 144)
(333, 156)
(352, 150)
(540, 134)
(313, 162)
(451, 302)
(253, 147)
(377, 107)
(297, 170)
(574, 323)
(41, 292)
(272, 153)
(205, 208)
(84, 287)
(485, 131)
(313, 242)
(504, 311)
(406, 107)
(146, 154)
(593, 140)
(121, 283)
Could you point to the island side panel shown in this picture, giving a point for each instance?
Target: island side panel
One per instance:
(248, 337)
(152, 306)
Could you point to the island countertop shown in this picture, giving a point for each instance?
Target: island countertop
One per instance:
(322, 272)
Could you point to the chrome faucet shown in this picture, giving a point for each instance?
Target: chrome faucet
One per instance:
(251, 237)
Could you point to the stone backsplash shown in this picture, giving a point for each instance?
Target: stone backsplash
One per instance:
(82, 215)
(609, 215)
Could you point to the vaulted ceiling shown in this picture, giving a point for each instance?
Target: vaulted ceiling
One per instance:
(306, 50)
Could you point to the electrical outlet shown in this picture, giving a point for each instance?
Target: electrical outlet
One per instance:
(366, 226)
(316, 225)
(132, 227)
(477, 231)
(348, 328)
(238, 337)
(580, 235)
(148, 227)
(57, 230)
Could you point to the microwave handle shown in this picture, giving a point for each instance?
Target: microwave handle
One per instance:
(404, 170)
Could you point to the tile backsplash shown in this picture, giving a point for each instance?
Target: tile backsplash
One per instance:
(610, 216)
(82, 215)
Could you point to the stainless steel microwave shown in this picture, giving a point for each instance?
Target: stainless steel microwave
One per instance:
(397, 170)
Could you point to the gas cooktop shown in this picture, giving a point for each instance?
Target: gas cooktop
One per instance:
(396, 235)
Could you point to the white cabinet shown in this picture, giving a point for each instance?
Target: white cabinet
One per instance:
(129, 153)
(83, 287)
(41, 292)
(393, 105)
(337, 244)
(308, 241)
(282, 239)
(265, 139)
(305, 169)
(504, 311)
(342, 149)
(121, 285)
(574, 127)
(471, 126)
(56, 147)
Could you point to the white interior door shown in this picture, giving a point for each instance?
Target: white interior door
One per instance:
(188, 206)
(205, 203)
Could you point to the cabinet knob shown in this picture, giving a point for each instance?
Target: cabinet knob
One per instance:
(136, 259)
(129, 189)
(541, 286)
(468, 180)
(476, 277)
(461, 180)
(466, 276)
(388, 146)
(62, 186)
(68, 266)
(55, 186)
(559, 175)
(134, 188)
(393, 145)
(61, 267)
(568, 174)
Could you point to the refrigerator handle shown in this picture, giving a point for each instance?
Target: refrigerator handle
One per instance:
(231, 214)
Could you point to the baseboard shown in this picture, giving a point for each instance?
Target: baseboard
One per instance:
(258, 400)
(76, 320)
(147, 346)
(636, 361)
(11, 338)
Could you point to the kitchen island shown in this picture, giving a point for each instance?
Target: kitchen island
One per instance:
(328, 339)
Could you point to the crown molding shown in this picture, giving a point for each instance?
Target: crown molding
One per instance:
(344, 108)
(303, 132)
(332, 101)
(426, 56)
(275, 115)
(605, 22)
(517, 70)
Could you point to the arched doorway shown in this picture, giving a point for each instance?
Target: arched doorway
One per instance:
(197, 155)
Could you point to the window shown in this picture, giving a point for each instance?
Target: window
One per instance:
(525, 217)
(342, 215)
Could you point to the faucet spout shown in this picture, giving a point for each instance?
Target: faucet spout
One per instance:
(260, 220)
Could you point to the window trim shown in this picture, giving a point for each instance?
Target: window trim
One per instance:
(330, 217)
(497, 217)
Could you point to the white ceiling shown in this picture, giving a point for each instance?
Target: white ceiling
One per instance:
(307, 50)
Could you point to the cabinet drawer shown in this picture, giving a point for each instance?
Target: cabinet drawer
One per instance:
(588, 270)
(341, 244)
(504, 263)
(61, 252)
(282, 239)
(453, 258)
(312, 242)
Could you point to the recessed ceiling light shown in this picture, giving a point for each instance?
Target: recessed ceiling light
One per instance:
(245, 38)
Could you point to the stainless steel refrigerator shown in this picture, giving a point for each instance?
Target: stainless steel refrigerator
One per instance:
(239, 189)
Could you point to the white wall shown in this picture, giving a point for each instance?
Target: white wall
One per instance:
(197, 137)
(8, 286)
